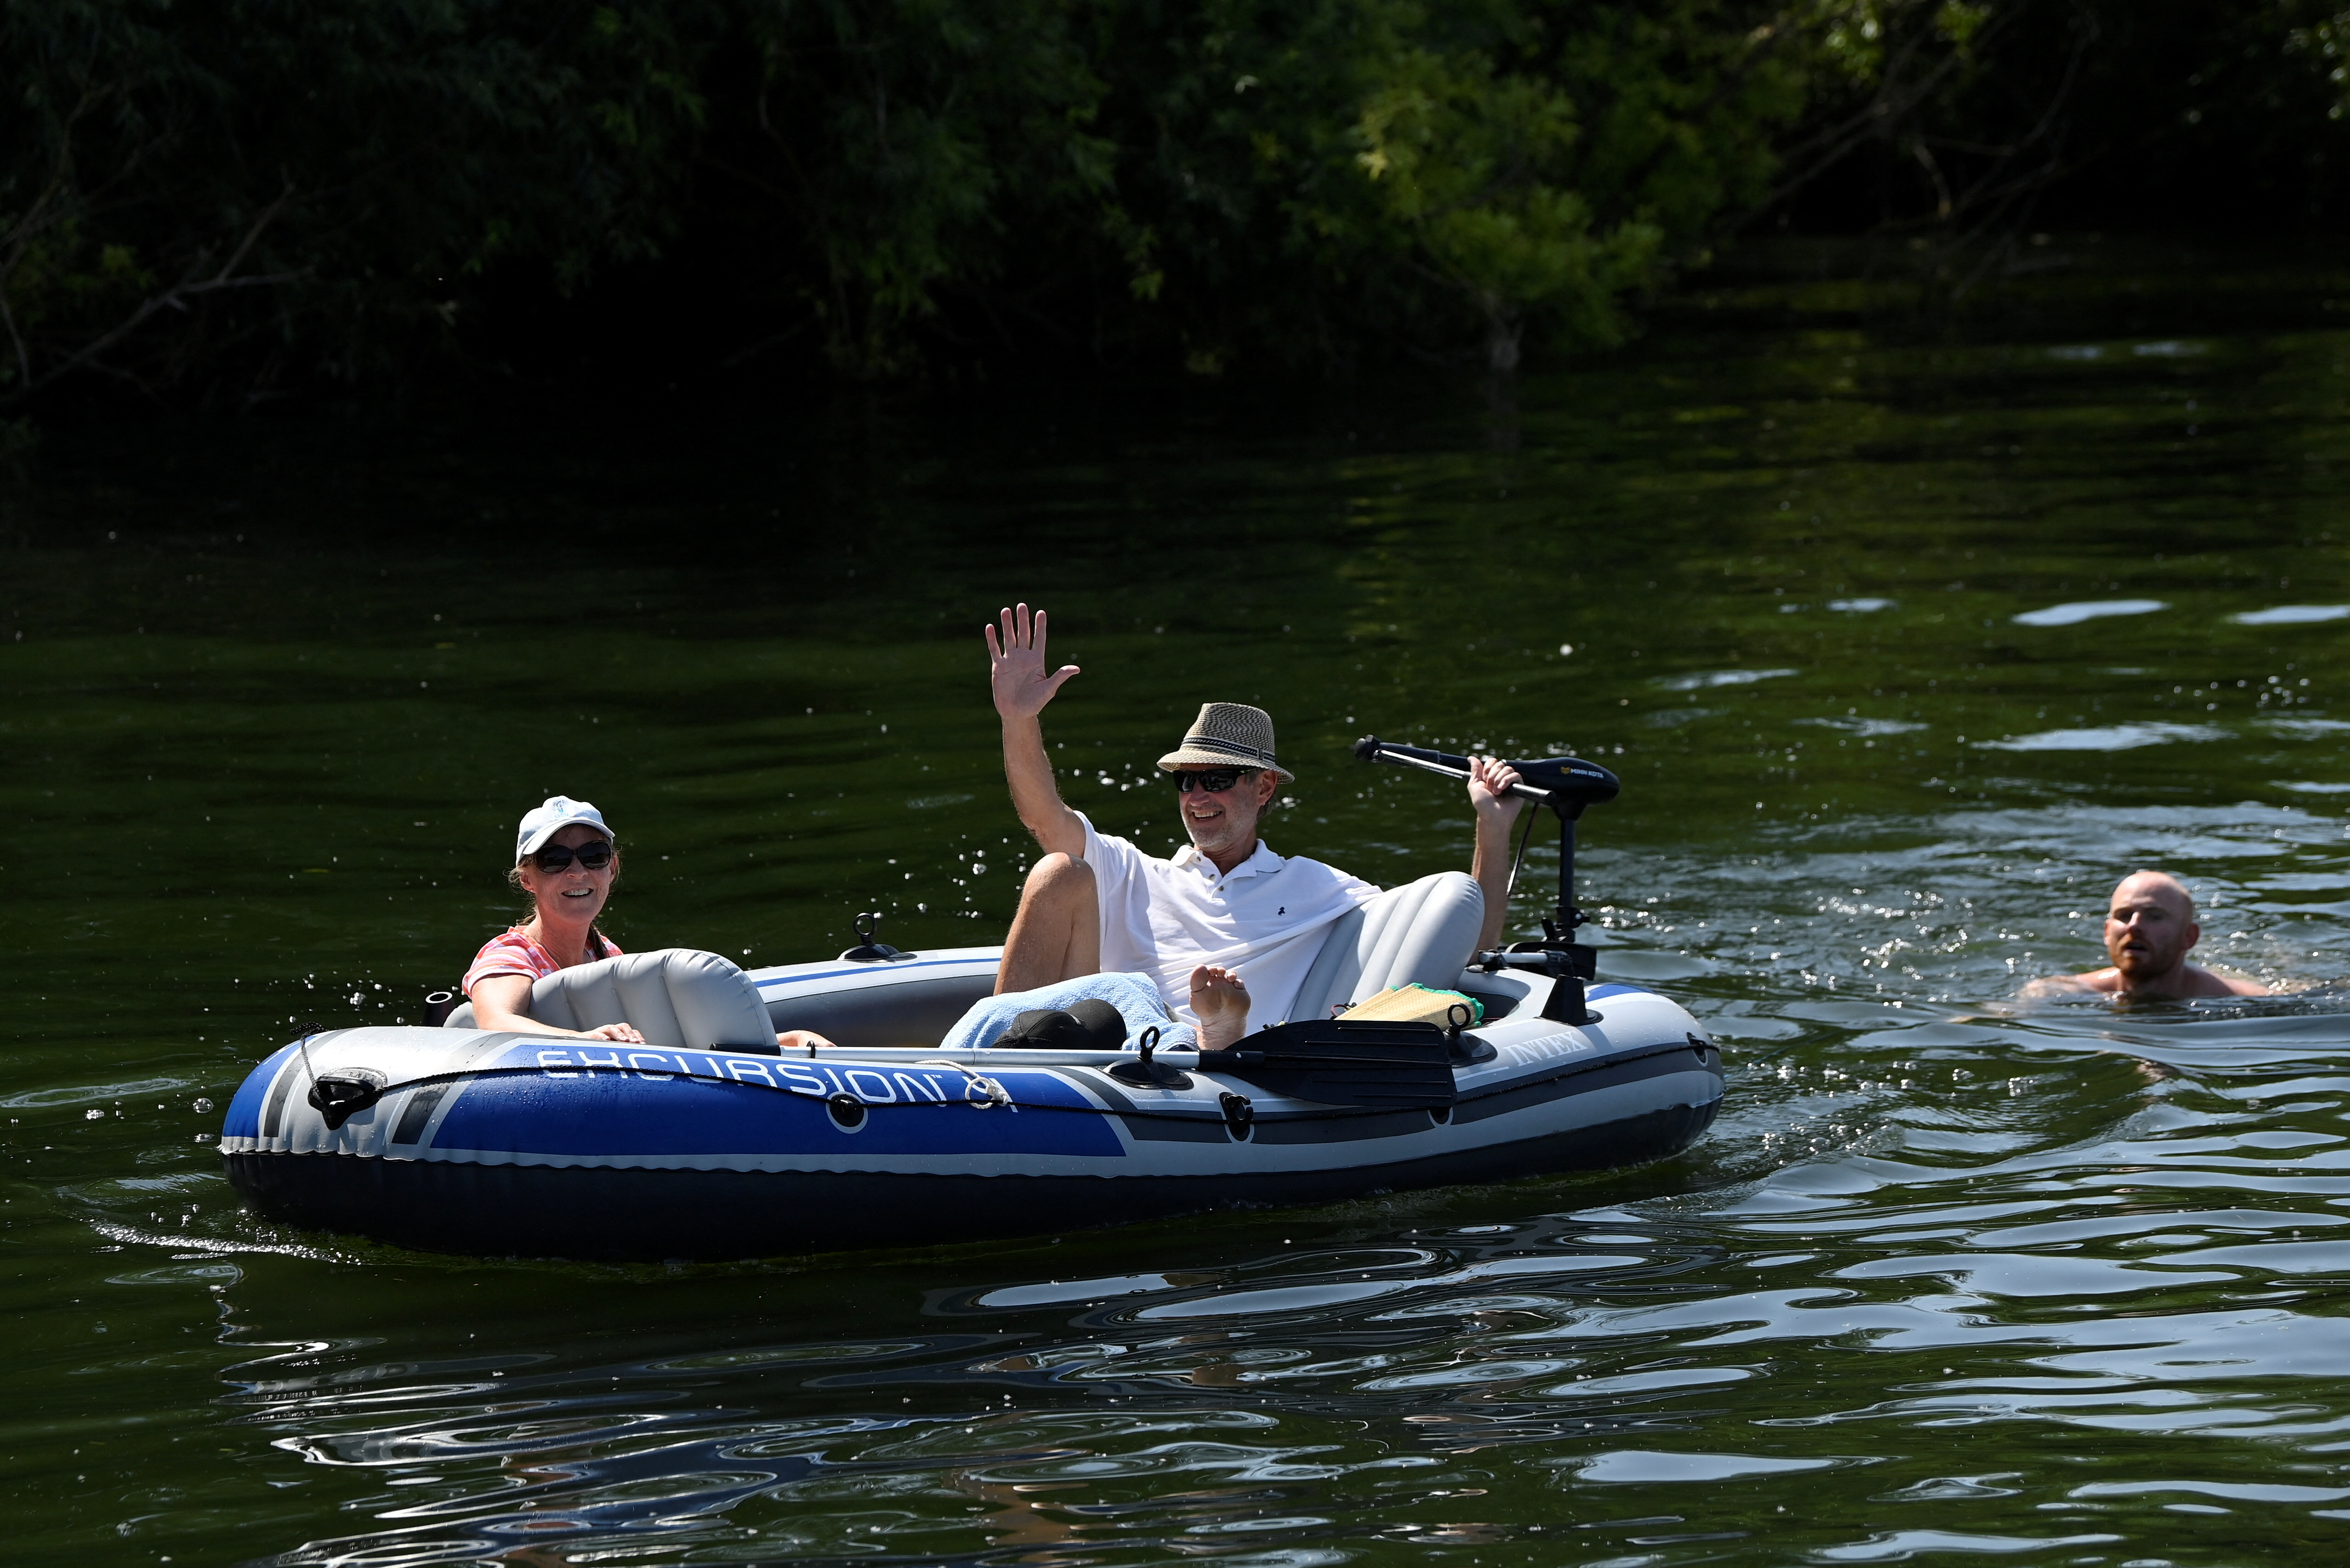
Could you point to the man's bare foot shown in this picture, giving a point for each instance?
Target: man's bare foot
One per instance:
(1219, 1000)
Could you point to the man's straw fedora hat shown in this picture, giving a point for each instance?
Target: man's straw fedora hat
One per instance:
(1227, 735)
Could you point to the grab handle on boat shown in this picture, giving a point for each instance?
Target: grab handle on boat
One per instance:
(869, 950)
(1144, 1072)
(337, 1099)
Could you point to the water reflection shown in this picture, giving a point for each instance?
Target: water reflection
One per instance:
(2134, 1260)
(2088, 1240)
(1898, 691)
(2089, 610)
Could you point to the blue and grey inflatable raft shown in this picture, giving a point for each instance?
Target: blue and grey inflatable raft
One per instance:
(468, 1140)
(710, 1143)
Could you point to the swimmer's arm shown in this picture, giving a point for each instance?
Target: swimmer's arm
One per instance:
(2051, 985)
(503, 1001)
(2239, 986)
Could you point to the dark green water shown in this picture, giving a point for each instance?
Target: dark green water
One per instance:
(1946, 1281)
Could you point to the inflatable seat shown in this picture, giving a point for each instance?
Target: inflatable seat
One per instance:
(1425, 931)
(916, 1009)
(680, 999)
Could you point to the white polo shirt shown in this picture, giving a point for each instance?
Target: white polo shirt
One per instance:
(1265, 919)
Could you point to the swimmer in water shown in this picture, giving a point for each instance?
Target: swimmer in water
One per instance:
(2149, 927)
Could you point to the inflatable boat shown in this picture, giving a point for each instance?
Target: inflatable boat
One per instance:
(708, 1142)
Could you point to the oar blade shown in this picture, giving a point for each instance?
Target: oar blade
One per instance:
(1363, 1066)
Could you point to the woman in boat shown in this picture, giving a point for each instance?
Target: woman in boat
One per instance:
(565, 859)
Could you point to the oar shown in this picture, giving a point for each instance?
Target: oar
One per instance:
(1375, 1065)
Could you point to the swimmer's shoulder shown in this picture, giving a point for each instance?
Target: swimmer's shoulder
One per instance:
(2220, 983)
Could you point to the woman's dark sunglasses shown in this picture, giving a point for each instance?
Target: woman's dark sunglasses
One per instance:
(1215, 780)
(558, 857)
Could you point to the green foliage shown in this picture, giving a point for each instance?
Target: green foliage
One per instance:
(1961, 119)
(902, 143)
(1314, 180)
(292, 185)
(2321, 38)
(308, 187)
(236, 196)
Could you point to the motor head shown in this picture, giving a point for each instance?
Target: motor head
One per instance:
(1572, 783)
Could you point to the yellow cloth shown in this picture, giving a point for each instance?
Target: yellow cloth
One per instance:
(1415, 1003)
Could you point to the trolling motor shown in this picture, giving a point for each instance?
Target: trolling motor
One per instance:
(1566, 786)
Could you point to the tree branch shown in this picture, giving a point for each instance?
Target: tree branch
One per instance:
(176, 298)
(24, 359)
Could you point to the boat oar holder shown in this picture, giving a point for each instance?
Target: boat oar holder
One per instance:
(1566, 786)
(871, 948)
(340, 1097)
(1141, 1073)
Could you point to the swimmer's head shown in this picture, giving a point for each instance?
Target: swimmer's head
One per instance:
(2150, 925)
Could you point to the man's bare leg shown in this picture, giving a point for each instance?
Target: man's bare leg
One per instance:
(1221, 1001)
(1056, 935)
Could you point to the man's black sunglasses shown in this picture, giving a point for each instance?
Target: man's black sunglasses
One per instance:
(1215, 780)
(558, 857)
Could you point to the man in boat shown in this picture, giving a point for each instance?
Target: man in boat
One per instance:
(2149, 927)
(1224, 927)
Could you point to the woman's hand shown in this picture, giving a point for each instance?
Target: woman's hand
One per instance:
(802, 1040)
(502, 1002)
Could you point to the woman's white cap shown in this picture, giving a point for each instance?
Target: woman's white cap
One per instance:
(543, 823)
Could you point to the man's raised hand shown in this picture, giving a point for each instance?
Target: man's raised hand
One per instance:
(1017, 671)
(1016, 667)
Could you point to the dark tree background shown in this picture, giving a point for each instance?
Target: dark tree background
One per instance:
(226, 201)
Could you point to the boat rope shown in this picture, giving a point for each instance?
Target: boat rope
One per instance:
(307, 1030)
(997, 1095)
(1519, 860)
(996, 1092)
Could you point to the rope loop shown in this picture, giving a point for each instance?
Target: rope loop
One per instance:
(996, 1092)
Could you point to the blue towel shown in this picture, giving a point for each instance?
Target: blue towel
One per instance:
(1134, 997)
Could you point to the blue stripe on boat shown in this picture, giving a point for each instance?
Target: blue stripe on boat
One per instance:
(868, 969)
(244, 1117)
